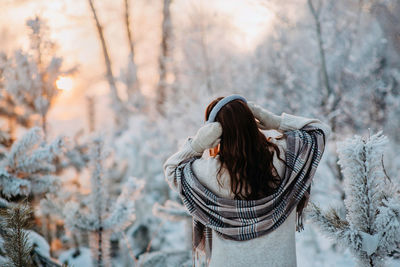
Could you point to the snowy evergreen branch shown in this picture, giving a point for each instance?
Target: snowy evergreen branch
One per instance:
(122, 209)
(371, 229)
(29, 166)
(77, 153)
(3, 203)
(14, 221)
(330, 221)
(388, 220)
(19, 245)
(96, 215)
(12, 186)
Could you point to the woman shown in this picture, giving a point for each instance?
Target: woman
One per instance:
(243, 164)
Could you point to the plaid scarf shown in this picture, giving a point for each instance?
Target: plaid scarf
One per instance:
(246, 219)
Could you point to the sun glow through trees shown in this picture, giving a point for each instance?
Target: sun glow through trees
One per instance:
(64, 83)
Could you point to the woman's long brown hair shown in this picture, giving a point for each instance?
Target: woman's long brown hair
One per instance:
(245, 151)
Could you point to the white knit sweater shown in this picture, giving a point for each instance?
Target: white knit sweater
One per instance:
(274, 249)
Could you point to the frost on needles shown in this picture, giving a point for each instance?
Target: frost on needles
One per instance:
(371, 229)
(29, 166)
(99, 213)
(13, 222)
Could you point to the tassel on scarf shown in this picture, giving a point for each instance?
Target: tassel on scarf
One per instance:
(299, 210)
(299, 222)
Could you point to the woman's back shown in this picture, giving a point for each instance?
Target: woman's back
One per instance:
(275, 249)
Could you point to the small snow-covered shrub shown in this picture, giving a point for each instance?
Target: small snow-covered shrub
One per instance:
(371, 229)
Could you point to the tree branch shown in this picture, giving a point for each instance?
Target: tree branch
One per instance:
(109, 74)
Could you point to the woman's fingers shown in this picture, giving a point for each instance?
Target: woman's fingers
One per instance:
(216, 142)
(257, 110)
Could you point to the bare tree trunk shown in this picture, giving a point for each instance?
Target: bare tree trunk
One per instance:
(100, 246)
(389, 22)
(206, 58)
(128, 27)
(91, 113)
(164, 56)
(324, 69)
(132, 81)
(44, 93)
(11, 127)
(44, 125)
(328, 109)
(116, 101)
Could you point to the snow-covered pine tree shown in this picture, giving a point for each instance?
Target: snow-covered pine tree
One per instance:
(78, 156)
(28, 167)
(99, 214)
(76, 153)
(371, 229)
(30, 77)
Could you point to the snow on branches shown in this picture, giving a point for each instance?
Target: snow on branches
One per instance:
(100, 214)
(371, 229)
(29, 166)
(30, 77)
(171, 210)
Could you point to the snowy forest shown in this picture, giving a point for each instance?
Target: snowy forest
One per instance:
(95, 95)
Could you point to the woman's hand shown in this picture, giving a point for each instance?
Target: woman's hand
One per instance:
(267, 119)
(207, 136)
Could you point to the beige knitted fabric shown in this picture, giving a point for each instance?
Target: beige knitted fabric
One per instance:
(275, 249)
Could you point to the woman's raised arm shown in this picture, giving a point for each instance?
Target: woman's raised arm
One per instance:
(293, 122)
(170, 165)
(285, 122)
(206, 137)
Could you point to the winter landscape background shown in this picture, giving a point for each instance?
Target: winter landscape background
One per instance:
(96, 94)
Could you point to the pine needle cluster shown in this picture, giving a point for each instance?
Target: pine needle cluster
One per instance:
(14, 220)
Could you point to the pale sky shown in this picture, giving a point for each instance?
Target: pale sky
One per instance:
(72, 28)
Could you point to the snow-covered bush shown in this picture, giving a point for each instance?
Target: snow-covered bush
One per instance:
(29, 165)
(371, 229)
(99, 213)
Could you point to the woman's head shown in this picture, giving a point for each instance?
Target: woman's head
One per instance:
(244, 150)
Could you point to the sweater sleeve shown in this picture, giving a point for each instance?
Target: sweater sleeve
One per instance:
(170, 165)
(292, 122)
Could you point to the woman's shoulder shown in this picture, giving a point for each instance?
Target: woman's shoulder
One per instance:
(276, 138)
(206, 169)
